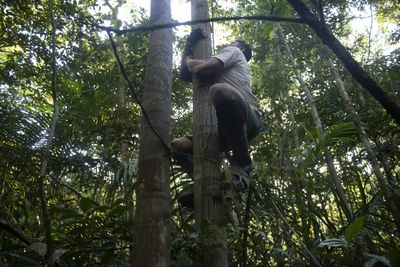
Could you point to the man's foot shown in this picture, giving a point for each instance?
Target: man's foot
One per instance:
(241, 177)
(240, 180)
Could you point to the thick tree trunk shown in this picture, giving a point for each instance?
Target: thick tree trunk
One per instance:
(210, 214)
(322, 31)
(314, 112)
(152, 220)
(391, 206)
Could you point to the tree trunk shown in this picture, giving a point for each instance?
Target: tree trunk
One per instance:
(391, 206)
(387, 101)
(49, 141)
(152, 220)
(339, 191)
(210, 214)
(124, 149)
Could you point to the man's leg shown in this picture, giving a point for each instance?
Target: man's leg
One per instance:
(232, 113)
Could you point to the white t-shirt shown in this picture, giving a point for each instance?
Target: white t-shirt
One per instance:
(236, 72)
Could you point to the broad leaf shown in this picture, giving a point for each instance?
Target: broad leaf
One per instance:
(354, 229)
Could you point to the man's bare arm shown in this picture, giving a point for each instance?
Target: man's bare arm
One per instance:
(194, 36)
(204, 67)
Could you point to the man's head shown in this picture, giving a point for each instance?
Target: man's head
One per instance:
(242, 45)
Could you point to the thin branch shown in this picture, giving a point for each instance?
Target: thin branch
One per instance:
(148, 28)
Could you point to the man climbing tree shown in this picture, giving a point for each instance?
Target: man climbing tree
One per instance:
(234, 103)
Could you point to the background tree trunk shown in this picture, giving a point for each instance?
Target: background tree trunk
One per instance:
(49, 141)
(152, 221)
(210, 214)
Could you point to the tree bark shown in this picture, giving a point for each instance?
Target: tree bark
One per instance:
(152, 219)
(314, 112)
(390, 204)
(210, 214)
(387, 101)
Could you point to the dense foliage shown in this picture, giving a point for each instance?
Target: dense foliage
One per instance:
(295, 216)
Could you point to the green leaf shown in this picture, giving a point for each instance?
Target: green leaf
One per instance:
(341, 132)
(85, 204)
(354, 229)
